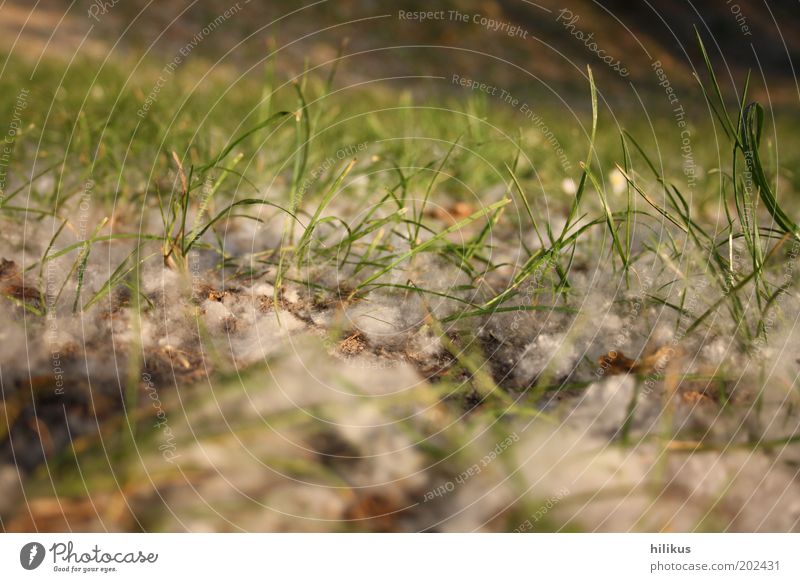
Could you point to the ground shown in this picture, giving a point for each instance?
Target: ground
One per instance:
(276, 302)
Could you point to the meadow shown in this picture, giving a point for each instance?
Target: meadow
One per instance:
(276, 301)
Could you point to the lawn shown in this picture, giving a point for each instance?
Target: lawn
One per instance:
(276, 301)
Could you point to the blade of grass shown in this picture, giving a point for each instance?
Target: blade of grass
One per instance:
(326, 199)
(429, 189)
(582, 183)
(280, 115)
(751, 138)
(84, 259)
(430, 242)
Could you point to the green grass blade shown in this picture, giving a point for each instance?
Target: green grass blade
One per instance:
(280, 115)
(326, 199)
(431, 241)
(582, 183)
(751, 138)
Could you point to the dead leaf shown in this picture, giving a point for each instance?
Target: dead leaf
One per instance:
(380, 511)
(615, 362)
(452, 213)
(694, 398)
(13, 284)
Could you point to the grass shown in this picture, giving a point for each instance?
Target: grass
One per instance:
(206, 190)
(368, 217)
